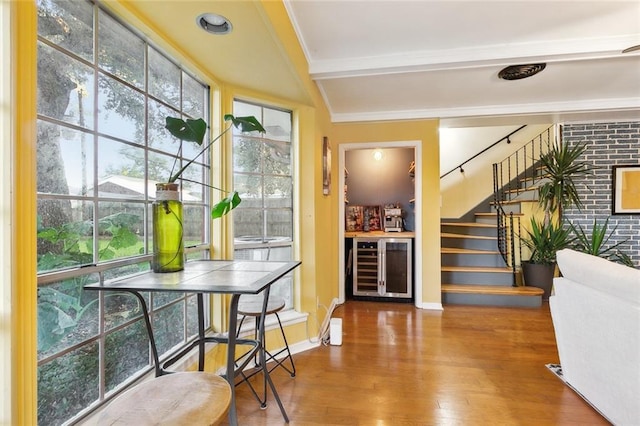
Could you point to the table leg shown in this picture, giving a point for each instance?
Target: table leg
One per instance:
(231, 356)
(152, 340)
(263, 358)
(201, 339)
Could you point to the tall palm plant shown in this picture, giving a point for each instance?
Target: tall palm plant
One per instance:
(562, 169)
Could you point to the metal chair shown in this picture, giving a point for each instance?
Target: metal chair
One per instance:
(251, 306)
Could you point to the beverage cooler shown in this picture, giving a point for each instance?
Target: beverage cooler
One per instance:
(382, 267)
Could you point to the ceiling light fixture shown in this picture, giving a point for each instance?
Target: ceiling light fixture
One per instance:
(214, 24)
(377, 155)
(517, 72)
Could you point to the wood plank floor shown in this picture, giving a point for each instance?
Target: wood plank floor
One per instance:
(399, 365)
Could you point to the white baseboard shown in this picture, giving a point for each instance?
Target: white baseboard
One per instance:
(302, 346)
(431, 306)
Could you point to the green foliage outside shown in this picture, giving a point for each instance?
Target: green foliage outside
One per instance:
(73, 244)
(68, 315)
(67, 385)
(62, 307)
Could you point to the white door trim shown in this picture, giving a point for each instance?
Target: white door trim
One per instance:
(417, 247)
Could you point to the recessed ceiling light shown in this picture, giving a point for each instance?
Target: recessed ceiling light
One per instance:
(214, 24)
(517, 72)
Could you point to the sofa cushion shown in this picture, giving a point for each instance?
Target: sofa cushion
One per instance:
(613, 278)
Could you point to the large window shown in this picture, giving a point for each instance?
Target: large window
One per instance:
(103, 95)
(262, 170)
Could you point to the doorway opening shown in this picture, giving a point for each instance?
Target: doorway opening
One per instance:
(368, 158)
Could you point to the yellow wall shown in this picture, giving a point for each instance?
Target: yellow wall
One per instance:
(5, 217)
(23, 213)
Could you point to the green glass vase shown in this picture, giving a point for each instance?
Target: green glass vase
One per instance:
(168, 245)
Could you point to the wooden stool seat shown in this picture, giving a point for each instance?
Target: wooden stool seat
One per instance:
(186, 398)
(252, 306)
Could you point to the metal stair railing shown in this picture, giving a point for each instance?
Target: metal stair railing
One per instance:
(508, 228)
(505, 138)
(512, 178)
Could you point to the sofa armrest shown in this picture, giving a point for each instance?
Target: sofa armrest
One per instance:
(592, 271)
(598, 338)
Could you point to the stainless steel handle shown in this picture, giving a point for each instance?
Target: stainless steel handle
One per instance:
(381, 271)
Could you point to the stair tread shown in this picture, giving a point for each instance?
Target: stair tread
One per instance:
(516, 201)
(469, 224)
(494, 214)
(475, 237)
(519, 190)
(476, 269)
(492, 289)
(454, 250)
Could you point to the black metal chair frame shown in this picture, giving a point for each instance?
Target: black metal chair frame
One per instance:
(259, 335)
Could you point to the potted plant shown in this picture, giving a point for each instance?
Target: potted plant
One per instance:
(561, 168)
(544, 240)
(168, 245)
(194, 131)
(596, 243)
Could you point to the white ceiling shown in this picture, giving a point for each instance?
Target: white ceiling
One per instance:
(395, 59)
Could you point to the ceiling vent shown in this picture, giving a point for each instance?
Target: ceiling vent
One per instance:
(517, 72)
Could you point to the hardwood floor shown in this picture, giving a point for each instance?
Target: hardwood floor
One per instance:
(399, 365)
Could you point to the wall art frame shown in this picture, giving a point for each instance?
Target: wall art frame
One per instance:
(326, 166)
(625, 183)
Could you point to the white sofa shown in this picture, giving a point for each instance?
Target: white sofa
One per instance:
(596, 316)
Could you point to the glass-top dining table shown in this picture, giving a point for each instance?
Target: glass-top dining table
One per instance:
(233, 277)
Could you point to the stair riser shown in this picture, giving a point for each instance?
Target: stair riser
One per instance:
(468, 243)
(511, 208)
(469, 230)
(480, 278)
(486, 220)
(457, 259)
(491, 300)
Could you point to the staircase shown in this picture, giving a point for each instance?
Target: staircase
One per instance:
(473, 270)
(480, 259)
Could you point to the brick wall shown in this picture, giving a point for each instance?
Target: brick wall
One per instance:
(609, 144)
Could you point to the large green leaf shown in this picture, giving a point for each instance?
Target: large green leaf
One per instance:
(226, 205)
(187, 130)
(194, 130)
(245, 124)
